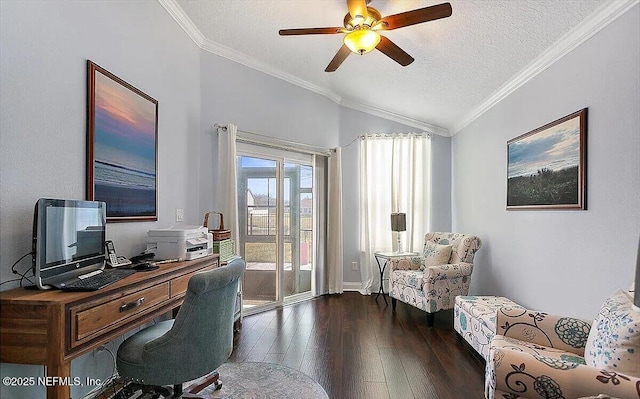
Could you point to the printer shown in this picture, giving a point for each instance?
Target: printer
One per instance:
(188, 243)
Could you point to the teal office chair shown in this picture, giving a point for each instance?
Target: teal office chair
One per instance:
(197, 342)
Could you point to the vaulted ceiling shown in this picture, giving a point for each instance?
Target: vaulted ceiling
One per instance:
(463, 64)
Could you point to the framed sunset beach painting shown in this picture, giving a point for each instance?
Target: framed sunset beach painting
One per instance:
(546, 168)
(122, 147)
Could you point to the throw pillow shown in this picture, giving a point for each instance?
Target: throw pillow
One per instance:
(435, 254)
(614, 339)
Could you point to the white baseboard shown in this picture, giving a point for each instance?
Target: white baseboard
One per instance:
(353, 286)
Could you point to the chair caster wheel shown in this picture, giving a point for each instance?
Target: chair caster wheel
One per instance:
(218, 386)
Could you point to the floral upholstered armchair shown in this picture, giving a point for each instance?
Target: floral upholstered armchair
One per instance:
(540, 355)
(432, 281)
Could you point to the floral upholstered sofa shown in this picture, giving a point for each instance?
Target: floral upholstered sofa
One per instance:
(474, 319)
(538, 355)
(432, 281)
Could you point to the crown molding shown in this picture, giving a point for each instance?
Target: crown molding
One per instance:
(424, 126)
(174, 9)
(602, 17)
(241, 58)
(177, 13)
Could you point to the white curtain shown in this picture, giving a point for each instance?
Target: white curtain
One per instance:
(227, 192)
(395, 176)
(334, 223)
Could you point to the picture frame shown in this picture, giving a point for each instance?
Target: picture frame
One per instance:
(122, 147)
(546, 167)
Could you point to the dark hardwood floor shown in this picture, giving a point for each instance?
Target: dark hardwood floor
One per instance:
(356, 347)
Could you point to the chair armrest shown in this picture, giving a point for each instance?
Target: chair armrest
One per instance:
(565, 333)
(514, 369)
(447, 272)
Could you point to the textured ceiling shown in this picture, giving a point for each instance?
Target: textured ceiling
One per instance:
(460, 61)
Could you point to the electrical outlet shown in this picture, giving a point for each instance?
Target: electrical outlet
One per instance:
(354, 265)
(179, 215)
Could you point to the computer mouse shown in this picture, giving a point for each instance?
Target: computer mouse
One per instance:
(145, 267)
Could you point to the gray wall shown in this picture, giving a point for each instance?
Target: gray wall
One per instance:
(43, 56)
(564, 262)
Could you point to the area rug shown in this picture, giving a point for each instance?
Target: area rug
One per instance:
(263, 380)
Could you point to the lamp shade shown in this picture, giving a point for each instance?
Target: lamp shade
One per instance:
(398, 221)
(362, 40)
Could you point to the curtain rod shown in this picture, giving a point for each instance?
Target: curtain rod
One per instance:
(362, 136)
(279, 143)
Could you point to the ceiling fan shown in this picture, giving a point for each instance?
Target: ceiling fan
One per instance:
(361, 27)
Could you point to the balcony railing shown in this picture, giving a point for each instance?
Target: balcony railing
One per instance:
(261, 221)
(260, 254)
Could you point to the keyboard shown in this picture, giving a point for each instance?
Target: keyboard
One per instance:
(101, 280)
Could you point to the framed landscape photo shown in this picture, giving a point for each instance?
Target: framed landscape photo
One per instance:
(546, 167)
(122, 147)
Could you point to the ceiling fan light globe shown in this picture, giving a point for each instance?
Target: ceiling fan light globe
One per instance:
(362, 41)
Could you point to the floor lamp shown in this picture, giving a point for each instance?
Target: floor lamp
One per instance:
(398, 224)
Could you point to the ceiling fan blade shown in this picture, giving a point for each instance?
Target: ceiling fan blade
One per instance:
(310, 31)
(394, 52)
(357, 7)
(340, 56)
(416, 16)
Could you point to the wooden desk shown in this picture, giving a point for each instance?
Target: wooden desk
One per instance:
(53, 327)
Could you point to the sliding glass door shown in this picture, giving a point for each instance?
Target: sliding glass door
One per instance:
(298, 224)
(258, 199)
(276, 213)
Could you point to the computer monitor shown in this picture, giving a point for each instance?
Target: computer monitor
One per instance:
(68, 239)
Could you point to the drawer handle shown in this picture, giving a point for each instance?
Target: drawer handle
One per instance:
(131, 305)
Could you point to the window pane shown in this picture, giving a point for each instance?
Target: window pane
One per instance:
(306, 176)
(249, 162)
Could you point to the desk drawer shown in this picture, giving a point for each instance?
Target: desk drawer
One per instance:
(94, 320)
(179, 285)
